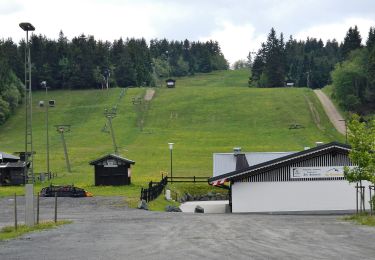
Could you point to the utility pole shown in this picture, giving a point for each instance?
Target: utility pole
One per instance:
(29, 153)
(62, 129)
(107, 74)
(169, 65)
(110, 115)
(346, 130)
(308, 78)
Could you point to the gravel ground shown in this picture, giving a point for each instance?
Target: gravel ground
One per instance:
(104, 228)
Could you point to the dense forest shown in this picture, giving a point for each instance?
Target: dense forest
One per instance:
(85, 62)
(349, 67)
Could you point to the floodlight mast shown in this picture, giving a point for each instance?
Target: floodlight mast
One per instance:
(29, 171)
(44, 85)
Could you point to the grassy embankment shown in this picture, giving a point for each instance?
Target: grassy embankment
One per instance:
(10, 232)
(362, 219)
(204, 114)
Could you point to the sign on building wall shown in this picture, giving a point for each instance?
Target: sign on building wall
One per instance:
(110, 163)
(316, 172)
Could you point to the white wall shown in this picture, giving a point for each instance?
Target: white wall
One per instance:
(295, 196)
(212, 206)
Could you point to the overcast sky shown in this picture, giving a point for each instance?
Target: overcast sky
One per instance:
(239, 26)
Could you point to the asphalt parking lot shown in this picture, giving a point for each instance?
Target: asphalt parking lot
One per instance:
(103, 228)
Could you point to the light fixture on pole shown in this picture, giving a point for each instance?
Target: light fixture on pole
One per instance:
(171, 150)
(29, 153)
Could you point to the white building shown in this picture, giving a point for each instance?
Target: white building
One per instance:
(310, 180)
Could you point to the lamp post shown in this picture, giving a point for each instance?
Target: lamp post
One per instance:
(28, 104)
(44, 85)
(171, 150)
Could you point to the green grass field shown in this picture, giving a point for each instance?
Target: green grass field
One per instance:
(204, 114)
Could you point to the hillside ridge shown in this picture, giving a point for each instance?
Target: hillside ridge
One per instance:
(204, 114)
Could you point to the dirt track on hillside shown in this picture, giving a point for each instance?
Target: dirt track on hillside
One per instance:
(331, 111)
(149, 94)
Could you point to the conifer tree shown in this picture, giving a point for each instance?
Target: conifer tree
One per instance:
(274, 63)
(352, 41)
(370, 43)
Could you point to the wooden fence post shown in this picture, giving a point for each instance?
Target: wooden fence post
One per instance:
(55, 207)
(356, 197)
(15, 212)
(37, 209)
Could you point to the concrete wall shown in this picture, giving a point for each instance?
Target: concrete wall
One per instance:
(295, 196)
(212, 206)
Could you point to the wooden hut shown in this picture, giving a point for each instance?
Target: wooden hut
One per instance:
(12, 170)
(113, 170)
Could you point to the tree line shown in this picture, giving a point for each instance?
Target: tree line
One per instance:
(85, 62)
(348, 66)
(82, 62)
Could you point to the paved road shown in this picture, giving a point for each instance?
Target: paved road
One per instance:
(331, 111)
(104, 229)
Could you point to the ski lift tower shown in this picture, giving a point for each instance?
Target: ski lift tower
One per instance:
(29, 153)
(61, 129)
(110, 115)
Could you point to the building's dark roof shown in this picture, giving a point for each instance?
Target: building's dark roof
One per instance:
(282, 160)
(170, 80)
(23, 153)
(12, 165)
(6, 156)
(113, 156)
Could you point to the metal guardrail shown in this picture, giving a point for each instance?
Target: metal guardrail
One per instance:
(192, 179)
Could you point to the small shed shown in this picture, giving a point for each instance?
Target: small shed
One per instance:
(113, 170)
(171, 83)
(12, 170)
(289, 83)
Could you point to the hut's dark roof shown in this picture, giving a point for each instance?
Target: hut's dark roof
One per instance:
(111, 156)
(6, 156)
(243, 173)
(12, 165)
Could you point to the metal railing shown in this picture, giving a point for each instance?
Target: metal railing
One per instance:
(154, 189)
(192, 179)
